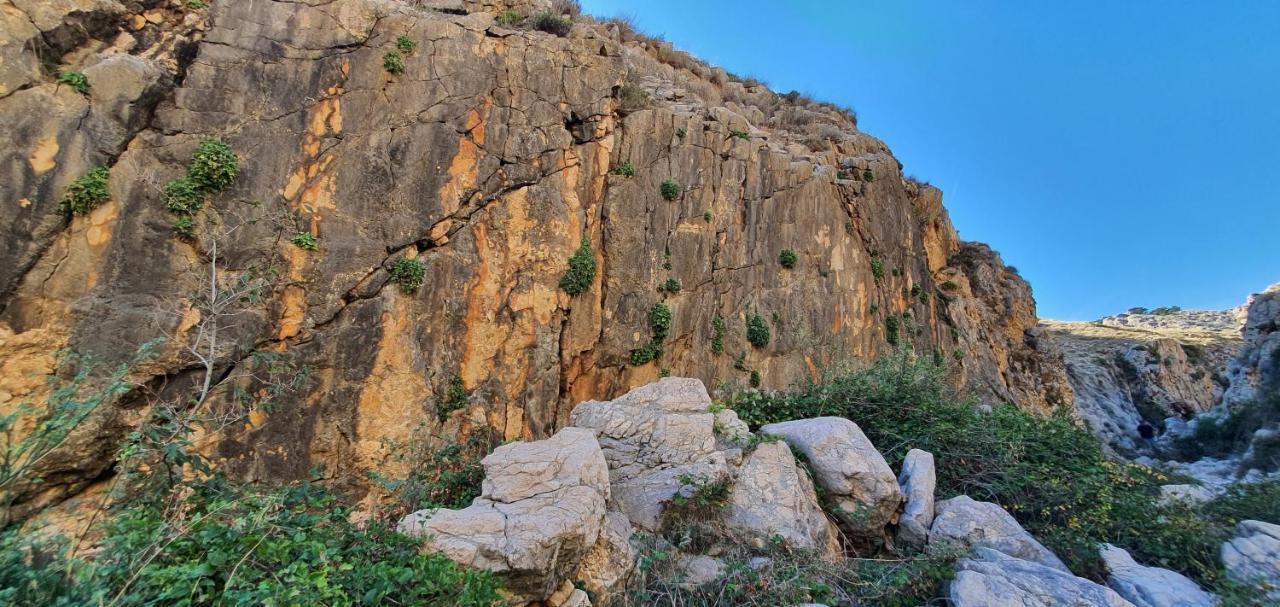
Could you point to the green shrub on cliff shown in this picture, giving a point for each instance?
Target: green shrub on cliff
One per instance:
(76, 80)
(669, 189)
(582, 270)
(552, 23)
(408, 273)
(87, 192)
(757, 331)
(393, 62)
(787, 258)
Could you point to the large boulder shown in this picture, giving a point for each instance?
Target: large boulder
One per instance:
(918, 480)
(652, 437)
(994, 579)
(1253, 556)
(969, 522)
(846, 464)
(1150, 586)
(773, 497)
(541, 511)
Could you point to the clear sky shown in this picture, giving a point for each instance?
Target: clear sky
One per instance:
(1118, 153)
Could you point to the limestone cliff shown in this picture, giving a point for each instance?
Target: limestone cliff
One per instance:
(489, 155)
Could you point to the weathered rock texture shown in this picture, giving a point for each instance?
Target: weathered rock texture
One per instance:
(995, 579)
(1151, 586)
(489, 160)
(1253, 556)
(541, 511)
(919, 480)
(772, 497)
(966, 521)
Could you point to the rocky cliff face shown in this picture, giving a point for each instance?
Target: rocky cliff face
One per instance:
(489, 158)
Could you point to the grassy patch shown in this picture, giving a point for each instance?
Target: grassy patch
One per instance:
(87, 192)
(408, 273)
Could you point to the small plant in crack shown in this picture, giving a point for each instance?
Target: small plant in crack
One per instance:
(740, 134)
(867, 175)
(659, 327)
(680, 132)
(185, 227)
(393, 62)
(408, 273)
(582, 270)
(706, 216)
(877, 268)
(670, 285)
(625, 169)
(549, 22)
(755, 378)
(305, 241)
(87, 192)
(405, 44)
(670, 189)
(76, 80)
(182, 196)
(213, 167)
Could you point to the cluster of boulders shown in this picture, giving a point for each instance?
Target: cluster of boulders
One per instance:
(555, 517)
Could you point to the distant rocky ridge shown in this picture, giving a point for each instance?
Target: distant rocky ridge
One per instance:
(1163, 370)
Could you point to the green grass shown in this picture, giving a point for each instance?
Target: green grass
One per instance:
(549, 22)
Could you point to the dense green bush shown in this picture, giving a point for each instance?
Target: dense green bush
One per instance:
(670, 285)
(669, 189)
(659, 327)
(787, 258)
(717, 335)
(87, 192)
(1048, 471)
(405, 44)
(233, 545)
(393, 62)
(582, 270)
(877, 268)
(408, 273)
(757, 331)
(891, 328)
(213, 166)
(625, 169)
(454, 398)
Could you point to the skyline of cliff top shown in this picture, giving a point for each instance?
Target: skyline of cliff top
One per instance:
(1119, 156)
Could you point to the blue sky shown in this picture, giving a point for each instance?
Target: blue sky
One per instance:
(1118, 153)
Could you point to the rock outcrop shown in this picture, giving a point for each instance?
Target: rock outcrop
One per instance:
(965, 521)
(542, 509)
(853, 474)
(773, 497)
(493, 156)
(1151, 586)
(994, 579)
(655, 438)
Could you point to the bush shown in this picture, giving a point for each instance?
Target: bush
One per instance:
(877, 268)
(552, 23)
(453, 399)
(87, 192)
(680, 132)
(76, 80)
(183, 196)
(213, 166)
(582, 270)
(660, 321)
(706, 216)
(185, 227)
(670, 189)
(787, 258)
(393, 62)
(405, 44)
(1232, 432)
(757, 331)
(305, 241)
(891, 327)
(408, 273)
(867, 175)
(625, 169)
(670, 285)
(717, 335)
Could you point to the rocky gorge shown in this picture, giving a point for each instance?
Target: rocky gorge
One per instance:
(551, 313)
